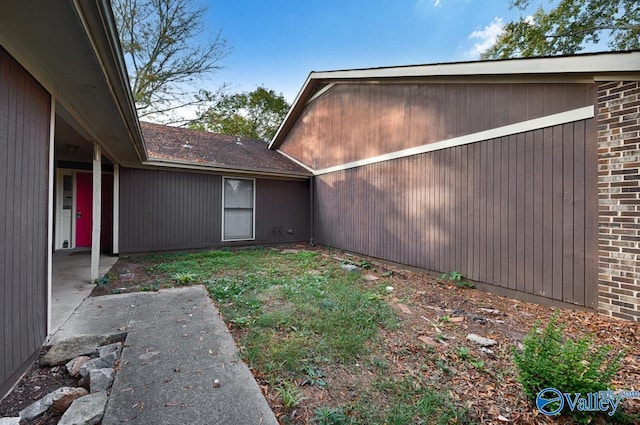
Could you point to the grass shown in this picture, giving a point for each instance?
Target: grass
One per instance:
(296, 317)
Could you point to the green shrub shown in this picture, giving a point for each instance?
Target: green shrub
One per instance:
(549, 360)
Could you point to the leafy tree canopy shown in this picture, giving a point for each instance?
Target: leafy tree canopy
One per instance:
(567, 27)
(255, 115)
(165, 55)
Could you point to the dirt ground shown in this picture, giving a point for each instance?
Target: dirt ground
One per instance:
(35, 384)
(436, 318)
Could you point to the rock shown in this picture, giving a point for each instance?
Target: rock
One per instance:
(116, 347)
(290, 251)
(87, 410)
(10, 421)
(60, 405)
(350, 267)
(488, 352)
(73, 366)
(389, 289)
(39, 407)
(84, 382)
(369, 277)
(108, 361)
(101, 379)
(71, 348)
(485, 342)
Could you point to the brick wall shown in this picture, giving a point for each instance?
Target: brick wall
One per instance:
(618, 114)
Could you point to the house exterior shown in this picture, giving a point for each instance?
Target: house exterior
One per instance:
(522, 175)
(201, 190)
(78, 170)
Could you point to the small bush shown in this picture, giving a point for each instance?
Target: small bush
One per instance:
(549, 360)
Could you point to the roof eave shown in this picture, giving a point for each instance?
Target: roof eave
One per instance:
(72, 49)
(174, 163)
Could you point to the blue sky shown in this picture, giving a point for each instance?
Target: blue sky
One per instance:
(276, 43)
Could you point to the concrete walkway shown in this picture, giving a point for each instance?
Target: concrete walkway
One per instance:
(179, 364)
(71, 282)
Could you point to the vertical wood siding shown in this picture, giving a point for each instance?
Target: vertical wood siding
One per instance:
(519, 212)
(24, 162)
(165, 210)
(355, 121)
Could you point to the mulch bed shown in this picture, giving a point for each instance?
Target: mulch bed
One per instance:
(37, 382)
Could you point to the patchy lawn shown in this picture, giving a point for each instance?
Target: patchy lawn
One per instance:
(378, 345)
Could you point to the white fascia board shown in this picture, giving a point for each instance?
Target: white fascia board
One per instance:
(297, 104)
(507, 130)
(286, 155)
(592, 64)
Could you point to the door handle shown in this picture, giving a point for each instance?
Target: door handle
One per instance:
(78, 214)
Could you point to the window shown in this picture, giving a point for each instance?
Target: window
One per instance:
(238, 196)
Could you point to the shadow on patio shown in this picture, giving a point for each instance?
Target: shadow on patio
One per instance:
(71, 282)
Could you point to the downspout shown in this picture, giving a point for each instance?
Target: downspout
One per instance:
(312, 186)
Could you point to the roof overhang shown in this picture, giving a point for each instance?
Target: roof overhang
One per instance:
(578, 68)
(204, 167)
(71, 47)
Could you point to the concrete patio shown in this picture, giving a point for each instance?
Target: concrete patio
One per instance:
(71, 284)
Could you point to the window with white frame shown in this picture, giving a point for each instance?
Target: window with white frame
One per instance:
(238, 200)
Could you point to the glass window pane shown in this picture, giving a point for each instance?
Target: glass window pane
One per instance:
(238, 193)
(238, 224)
(238, 209)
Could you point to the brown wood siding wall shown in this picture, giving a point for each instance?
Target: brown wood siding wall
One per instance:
(25, 110)
(518, 212)
(357, 121)
(166, 210)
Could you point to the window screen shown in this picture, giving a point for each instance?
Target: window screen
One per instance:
(238, 209)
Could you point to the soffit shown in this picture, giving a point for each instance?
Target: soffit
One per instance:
(71, 48)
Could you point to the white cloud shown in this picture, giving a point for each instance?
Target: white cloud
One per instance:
(486, 37)
(427, 5)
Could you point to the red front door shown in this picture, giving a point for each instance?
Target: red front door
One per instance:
(84, 205)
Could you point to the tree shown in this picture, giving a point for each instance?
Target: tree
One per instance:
(567, 27)
(255, 115)
(161, 43)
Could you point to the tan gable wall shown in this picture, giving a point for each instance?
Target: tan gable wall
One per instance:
(356, 121)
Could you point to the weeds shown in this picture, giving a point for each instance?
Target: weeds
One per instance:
(184, 278)
(456, 278)
(314, 376)
(290, 395)
(330, 416)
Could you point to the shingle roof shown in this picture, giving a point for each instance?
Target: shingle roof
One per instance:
(215, 150)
